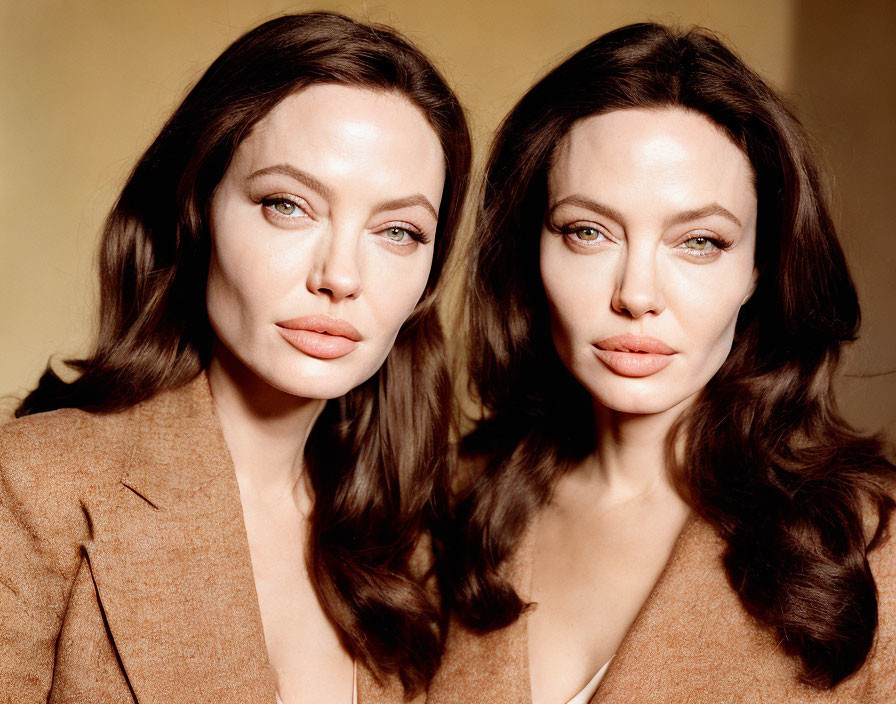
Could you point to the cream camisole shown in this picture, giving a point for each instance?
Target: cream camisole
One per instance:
(585, 695)
(354, 686)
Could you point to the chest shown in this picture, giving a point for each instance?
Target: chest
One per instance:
(690, 641)
(589, 578)
(304, 649)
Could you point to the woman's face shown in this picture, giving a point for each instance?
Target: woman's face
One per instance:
(322, 237)
(647, 254)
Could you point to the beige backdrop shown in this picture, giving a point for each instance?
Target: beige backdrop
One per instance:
(85, 85)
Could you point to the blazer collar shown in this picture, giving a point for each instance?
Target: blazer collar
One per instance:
(170, 560)
(692, 642)
(178, 446)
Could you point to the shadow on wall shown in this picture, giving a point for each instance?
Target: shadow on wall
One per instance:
(845, 92)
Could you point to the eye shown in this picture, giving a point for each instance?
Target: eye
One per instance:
(402, 234)
(580, 234)
(398, 234)
(702, 246)
(698, 243)
(588, 234)
(282, 207)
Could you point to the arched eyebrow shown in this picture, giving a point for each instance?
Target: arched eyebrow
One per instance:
(677, 219)
(325, 191)
(705, 211)
(408, 202)
(588, 204)
(297, 174)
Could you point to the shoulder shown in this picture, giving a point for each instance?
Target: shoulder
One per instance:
(881, 675)
(51, 462)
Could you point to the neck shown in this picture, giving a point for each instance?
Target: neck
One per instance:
(630, 456)
(265, 429)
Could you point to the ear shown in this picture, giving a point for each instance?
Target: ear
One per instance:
(754, 279)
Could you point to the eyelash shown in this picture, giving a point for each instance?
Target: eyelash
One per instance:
(415, 233)
(719, 245)
(272, 201)
(570, 231)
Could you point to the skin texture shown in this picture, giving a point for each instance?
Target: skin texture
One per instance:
(283, 248)
(641, 273)
(624, 250)
(305, 222)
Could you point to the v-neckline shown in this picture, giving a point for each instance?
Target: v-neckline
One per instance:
(521, 570)
(354, 685)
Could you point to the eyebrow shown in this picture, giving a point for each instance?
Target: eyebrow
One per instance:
(588, 204)
(677, 219)
(410, 201)
(706, 211)
(323, 190)
(297, 174)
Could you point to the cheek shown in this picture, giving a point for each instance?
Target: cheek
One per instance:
(243, 279)
(394, 285)
(577, 287)
(706, 305)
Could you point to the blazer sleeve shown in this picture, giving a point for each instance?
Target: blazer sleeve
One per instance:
(42, 527)
(881, 683)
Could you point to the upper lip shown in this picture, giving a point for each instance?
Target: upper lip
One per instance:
(323, 324)
(634, 343)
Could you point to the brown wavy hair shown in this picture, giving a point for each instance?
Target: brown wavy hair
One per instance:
(769, 461)
(378, 457)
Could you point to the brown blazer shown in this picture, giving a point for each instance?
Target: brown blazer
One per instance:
(692, 642)
(125, 573)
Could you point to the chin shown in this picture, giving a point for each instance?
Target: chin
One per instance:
(633, 403)
(320, 382)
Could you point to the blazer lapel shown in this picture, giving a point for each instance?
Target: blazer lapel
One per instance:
(390, 692)
(694, 642)
(489, 668)
(170, 560)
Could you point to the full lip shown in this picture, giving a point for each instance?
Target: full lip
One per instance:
(629, 342)
(323, 324)
(320, 336)
(634, 355)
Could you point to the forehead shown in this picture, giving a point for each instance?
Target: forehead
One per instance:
(335, 130)
(668, 154)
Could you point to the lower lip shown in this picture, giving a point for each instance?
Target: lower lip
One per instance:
(318, 344)
(634, 364)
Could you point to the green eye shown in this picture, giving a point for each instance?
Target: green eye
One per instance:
(396, 234)
(284, 207)
(588, 234)
(698, 243)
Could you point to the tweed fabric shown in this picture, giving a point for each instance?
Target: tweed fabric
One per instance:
(691, 642)
(125, 573)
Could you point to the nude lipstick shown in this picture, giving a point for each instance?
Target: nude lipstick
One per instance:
(320, 336)
(634, 355)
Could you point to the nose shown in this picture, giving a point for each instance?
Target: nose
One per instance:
(638, 288)
(336, 271)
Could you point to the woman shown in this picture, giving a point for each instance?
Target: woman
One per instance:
(223, 505)
(669, 507)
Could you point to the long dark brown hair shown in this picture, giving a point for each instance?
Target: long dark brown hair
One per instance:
(377, 457)
(769, 462)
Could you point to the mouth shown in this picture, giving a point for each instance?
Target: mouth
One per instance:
(320, 336)
(634, 355)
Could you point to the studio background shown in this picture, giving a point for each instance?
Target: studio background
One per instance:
(86, 85)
